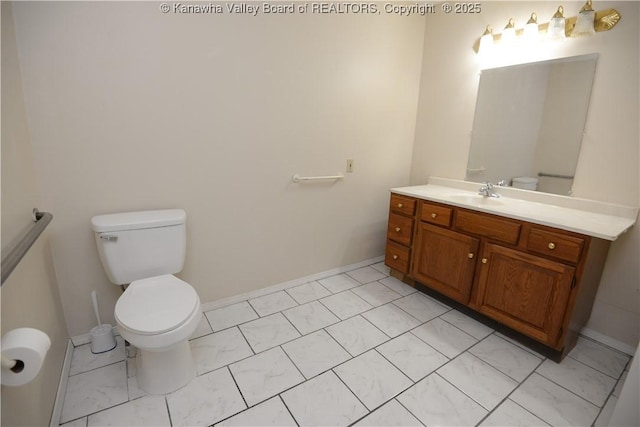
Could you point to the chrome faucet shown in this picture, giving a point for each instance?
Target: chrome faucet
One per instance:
(487, 190)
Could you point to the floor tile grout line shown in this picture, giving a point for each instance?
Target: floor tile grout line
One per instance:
(450, 358)
(596, 369)
(239, 391)
(393, 364)
(495, 367)
(459, 328)
(570, 391)
(349, 389)
(99, 367)
(508, 396)
(514, 343)
(409, 410)
(297, 367)
(463, 392)
(343, 347)
(602, 409)
(564, 388)
(237, 324)
(166, 404)
(288, 409)
(314, 299)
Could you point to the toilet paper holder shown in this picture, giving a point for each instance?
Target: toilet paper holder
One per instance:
(23, 354)
(13, 365)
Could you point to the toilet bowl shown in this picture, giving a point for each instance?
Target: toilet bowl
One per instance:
(158, 315)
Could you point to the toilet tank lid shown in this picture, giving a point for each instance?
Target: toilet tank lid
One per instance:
(526, 180)
(138, 220)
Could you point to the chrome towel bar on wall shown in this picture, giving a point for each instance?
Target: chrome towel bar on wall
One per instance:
(13, 255)
(554, 175)
(298, 178)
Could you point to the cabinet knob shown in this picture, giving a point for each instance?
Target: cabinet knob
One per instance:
(433, 215)
(398, 229)
(551, 245)
(484, 260)
(471, 255)
(400, 205)
(395, 257)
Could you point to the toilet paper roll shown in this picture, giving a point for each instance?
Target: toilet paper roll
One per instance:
(29, 347)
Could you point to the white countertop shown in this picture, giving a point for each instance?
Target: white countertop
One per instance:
(603, 220)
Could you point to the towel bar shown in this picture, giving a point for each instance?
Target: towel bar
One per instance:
(298, 178)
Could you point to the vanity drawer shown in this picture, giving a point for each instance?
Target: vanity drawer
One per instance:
(400, 229)
(489, 226)
(435, 214)
(556, 245)
(402, 205)
(397, 257)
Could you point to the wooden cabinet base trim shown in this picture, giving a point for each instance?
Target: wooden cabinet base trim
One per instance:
(552, 353)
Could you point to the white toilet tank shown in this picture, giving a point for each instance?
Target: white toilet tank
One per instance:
(138, 245)
(525, 183)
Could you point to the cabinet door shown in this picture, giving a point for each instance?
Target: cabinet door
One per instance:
(445, 261)
(525, 292)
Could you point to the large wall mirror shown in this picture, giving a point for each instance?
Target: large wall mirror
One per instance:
(529, 123)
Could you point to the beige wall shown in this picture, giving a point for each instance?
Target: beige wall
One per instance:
(30, 296)
(608, 164)
(131, 109)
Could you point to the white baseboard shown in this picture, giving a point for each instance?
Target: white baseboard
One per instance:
(62, 386)
(608, 341)
(286, 285)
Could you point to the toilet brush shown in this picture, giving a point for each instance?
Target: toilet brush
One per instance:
(102, 339)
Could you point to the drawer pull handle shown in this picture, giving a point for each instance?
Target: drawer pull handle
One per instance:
(400, 205)
(484, 260)
(471, 255)
(398, 229)
(433, 215)
(551, 245)
(395, 257)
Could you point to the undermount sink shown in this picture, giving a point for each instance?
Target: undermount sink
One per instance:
(476, 200)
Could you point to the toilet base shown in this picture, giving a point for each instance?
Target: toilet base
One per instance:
(165, 371)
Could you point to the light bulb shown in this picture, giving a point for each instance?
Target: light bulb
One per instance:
(508, 38)
(531, 31)
(556, 29)
(585, 21)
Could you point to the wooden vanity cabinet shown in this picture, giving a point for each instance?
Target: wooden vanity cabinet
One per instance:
(523, 291)
(445, 261)
(537, 280)
(400, 230)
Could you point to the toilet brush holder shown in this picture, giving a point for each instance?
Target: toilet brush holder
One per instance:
(102, 339)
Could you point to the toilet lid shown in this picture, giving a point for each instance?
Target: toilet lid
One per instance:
(156, 305)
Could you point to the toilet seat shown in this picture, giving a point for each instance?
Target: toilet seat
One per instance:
(156, 305)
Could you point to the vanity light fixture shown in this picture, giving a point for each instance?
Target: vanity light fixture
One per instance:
(531, 32)
(508, 39)
(557, 25)
(588, 21)
(486, 46)
(585, 21)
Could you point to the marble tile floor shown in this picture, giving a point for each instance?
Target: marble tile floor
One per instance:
(359, 348)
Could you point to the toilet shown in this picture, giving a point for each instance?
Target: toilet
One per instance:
(157, 313)
(525, 183)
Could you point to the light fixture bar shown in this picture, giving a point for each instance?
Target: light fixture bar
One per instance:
(604, 21)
